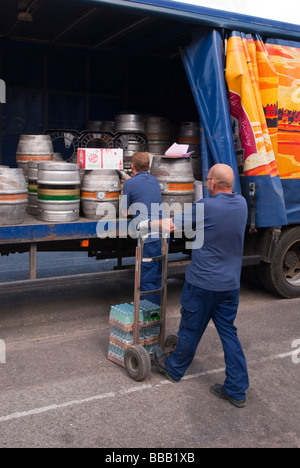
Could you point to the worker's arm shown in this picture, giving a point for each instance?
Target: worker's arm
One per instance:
(122, 175)
(125, 200)
(159, 225)
(162, 225)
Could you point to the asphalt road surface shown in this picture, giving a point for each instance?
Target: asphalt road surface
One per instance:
(58, 389)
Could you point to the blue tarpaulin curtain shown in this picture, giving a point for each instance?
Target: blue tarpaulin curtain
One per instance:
(204, 64)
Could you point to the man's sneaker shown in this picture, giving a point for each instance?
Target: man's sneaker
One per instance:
(159, 359)
(219, 392)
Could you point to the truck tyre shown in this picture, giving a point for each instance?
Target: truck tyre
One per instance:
(282, 275)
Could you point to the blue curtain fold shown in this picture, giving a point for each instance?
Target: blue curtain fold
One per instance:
(204, 64)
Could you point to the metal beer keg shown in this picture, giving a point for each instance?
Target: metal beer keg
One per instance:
(130, 143)
(189, 134)
(158, 134)
(100, 191)
(130, 123)
(13, 196)
(101, 126)
(32, 188)
(33, 148)
(58, 191)
(130, 136)
(176, 180)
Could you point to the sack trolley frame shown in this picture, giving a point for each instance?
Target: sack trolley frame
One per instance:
(137, 360)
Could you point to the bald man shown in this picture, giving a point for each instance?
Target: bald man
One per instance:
(211, 289)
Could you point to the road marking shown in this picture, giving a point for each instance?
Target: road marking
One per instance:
(141, 388)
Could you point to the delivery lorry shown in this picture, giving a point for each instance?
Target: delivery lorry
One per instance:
(64, 63)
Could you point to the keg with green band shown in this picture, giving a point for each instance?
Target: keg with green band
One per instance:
(55, 194)
(32, 187)
(58, 192)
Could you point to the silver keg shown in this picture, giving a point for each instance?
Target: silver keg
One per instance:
(130, 143)
(101, 126)
(158, 133)
(189, 134)
(32, 208)
(58, 192)
(130, 123)
(176, 180)
(100, 193)
(13, 196)
(33, 148)
(96, 140)
(130, 136)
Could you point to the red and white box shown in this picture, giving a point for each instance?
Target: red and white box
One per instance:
(100, 158)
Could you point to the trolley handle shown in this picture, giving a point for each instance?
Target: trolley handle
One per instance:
(137, 288)
(142, 237)
(162, 235)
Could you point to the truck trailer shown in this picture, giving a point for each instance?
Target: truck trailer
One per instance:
(64, 63)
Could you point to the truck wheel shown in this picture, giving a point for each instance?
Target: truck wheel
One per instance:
(282, 275)
(137, 363)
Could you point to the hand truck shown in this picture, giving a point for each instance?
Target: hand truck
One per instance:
(137, 360)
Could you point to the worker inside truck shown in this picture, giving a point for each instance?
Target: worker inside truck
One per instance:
(140, 193)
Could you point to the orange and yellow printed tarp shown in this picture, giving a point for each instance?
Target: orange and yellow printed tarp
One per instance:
(286, 61)
(264, 94)
(246, 68)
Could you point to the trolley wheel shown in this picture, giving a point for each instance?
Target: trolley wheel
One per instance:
(137, 363)
(171, 342)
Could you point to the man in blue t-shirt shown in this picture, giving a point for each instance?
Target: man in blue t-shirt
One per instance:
(142, 198)
(211, 289)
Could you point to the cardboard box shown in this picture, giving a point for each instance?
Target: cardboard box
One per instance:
(100, 158)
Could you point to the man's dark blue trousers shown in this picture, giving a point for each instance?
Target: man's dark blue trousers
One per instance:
(199, 306)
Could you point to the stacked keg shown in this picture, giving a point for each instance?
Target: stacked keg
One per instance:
(32, 187)
(189, 134)
(176, 180)
(58, 191)
(13, 196)
(101, 126)
(99, 134)
(100, 193)
(131, 136)
(158, 134)
(33, 148)
(134, 123)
